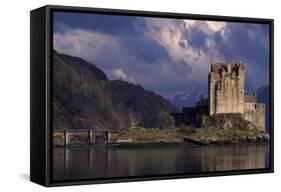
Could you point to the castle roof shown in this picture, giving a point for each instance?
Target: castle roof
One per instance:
(250, 99)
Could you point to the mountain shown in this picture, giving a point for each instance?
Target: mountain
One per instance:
(187, 99)
(263, 95)
(83, 97)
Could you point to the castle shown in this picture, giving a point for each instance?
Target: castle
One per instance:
(226, 91)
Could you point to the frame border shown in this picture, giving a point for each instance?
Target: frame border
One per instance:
(49, 58)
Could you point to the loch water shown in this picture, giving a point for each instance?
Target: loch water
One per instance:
(109, 161)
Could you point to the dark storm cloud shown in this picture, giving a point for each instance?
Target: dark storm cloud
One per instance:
(110, 24)
(169, 85)
(130, 32)
(145, 49)
(181, 68)
(250, 43)
(245, 41)
(196, 39)
(217, 38)
(242, 44)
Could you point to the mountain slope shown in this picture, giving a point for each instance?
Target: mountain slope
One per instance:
(85, 98)
(187, 99)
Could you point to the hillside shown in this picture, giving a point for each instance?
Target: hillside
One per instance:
(83, 97)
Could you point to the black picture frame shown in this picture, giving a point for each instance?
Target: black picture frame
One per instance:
(41, 42)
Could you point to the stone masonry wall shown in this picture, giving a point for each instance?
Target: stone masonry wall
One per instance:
(261, 116)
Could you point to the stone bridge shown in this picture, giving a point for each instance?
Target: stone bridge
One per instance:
(83, 137)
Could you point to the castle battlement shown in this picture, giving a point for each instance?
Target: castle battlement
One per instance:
(227, 68)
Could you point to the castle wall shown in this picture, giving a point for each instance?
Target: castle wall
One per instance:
(255, 113)
(250, 113)
(211, 93)
(261, 116)
(189, 115)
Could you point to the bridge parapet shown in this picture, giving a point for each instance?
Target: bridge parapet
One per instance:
(83, 137)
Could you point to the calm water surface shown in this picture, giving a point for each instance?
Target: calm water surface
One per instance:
(102, 161)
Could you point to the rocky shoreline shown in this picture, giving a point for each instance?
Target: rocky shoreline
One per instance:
(247, 140)
(263, 139)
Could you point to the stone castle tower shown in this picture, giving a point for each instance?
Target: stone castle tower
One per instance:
(226, 88)
(226, 93)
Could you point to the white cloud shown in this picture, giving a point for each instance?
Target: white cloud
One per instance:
(169, 36)
(119, 74)
(207, 27)
(86, 44)
(189, 23)
(216, 25)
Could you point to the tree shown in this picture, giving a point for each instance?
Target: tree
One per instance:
(165, 120)
(134, 120)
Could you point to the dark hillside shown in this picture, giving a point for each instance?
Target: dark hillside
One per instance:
(85, 98)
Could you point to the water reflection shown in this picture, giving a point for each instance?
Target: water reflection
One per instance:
(100, 162)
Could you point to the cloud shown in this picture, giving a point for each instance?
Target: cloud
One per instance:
(107, 24)
(197, 42)
(144, 49)
(216, 25)
(119, 74)
(167, 56)
(187, 41)
(101, 49)
(250, 43)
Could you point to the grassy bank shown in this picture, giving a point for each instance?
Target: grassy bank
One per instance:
(149, 134)
(212, 135)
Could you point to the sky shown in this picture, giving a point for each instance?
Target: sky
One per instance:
(167, 56)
